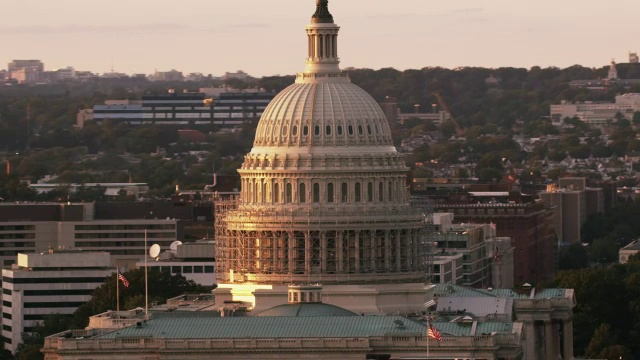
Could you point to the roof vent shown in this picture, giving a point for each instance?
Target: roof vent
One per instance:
(399, 324)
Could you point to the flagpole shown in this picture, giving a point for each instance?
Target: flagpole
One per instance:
(117, 292)
(427, 337)
(146, 280)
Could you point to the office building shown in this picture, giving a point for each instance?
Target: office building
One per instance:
(573, 202)
(34, 228)
(174, 108)
(195, 261)
(521, 217)
(597, 113)
(53, 282)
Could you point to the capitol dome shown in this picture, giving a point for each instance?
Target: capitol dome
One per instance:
(324, 195)
(323, 114)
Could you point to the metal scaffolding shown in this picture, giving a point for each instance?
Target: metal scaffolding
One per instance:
(341, 244)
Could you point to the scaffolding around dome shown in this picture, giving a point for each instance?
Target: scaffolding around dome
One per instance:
(341, 244)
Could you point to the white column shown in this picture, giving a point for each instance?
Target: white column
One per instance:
(567, 332)
(549, 340)
(530, 340)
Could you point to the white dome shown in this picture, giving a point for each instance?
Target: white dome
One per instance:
(327, 114)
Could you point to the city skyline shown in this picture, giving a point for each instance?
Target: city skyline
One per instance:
(215, 37)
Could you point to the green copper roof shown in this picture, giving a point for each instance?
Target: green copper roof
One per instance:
(449, 290)
(461, 329)
(322, 14)
(180, 326)
(306, 309)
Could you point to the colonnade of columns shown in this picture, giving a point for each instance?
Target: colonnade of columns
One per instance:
(320, 252)
(549, 339)
(323, 44)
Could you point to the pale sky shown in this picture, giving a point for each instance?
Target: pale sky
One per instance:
(266, 37)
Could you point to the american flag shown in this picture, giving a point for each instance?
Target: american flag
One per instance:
(433, 333)
(124, 280)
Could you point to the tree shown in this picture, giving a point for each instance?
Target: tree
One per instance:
(602, 338)
(574, 257)
(162, 286)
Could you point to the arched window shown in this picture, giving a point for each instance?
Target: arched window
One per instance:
(305, 130)
(344, 192)
(350, 130)
(276, 193)
(370, 192)
(328, 130)
(330, 192)
(294, 130)
(390, 191)
(369, 130)
(316, 193)
(360, 131)
(316, 130)
(303, 193)
(339, 130)
(358, 192)
(289, 193)
(380, 192)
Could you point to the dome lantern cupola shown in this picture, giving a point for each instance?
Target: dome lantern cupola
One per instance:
(322, 36)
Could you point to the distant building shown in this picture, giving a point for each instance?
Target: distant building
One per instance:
(239, 75)
(520, 217)
(27, 75)
(631, 249)
(611, 79)
(394, 115)
(195, 261)
(492, 81)
(572, 203)
(34, 228)
(21, 64)
(596, 113)
(225, 109)
(172, 75)
(54, 282)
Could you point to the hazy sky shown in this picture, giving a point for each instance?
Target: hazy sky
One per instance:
(266, 37)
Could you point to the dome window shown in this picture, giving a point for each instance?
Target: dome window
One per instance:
(285, 130)
(369, 130)
(294, 131)
(302, 193)
(350, 130)
(360, 131)
(376, 128)
(328, 130)
(330, 192)
(339, 130)
(305, 130)
(316, 130)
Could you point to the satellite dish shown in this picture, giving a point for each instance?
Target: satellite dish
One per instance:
(154, 251)
(174, 245)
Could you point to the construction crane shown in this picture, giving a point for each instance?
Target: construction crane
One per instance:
(445, 107)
